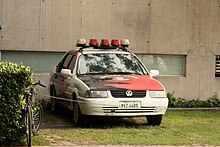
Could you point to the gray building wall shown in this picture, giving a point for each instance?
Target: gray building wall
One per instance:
(175, 27)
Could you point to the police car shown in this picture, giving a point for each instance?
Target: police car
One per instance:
(105, 79)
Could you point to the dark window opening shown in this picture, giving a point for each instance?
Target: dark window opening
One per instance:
(217, 66)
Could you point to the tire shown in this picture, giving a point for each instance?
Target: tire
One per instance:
(53, 100)
(37, 116)
(154, 120)
(77, 115)
(29, 125)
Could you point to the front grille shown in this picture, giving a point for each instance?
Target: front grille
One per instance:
(122, 93)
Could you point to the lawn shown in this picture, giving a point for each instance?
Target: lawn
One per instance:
(189, 127)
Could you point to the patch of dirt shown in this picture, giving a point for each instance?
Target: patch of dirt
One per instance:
(57, 140)
(63, 120)
(60, 120)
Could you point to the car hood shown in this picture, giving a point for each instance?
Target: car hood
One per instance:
(131, 82)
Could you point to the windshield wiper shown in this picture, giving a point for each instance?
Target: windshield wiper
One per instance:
(110, 73)
(91, 73)
(125, 73)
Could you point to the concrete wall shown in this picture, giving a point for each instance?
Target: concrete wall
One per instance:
(181, 27)
(198, 38)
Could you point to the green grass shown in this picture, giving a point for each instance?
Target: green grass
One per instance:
(190, 127)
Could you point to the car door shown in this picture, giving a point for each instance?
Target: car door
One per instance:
(66, 82)
(69, 81)
(56, 76)
(60, 78)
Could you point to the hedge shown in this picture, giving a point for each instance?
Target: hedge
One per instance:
(177, 102)
(14, 80)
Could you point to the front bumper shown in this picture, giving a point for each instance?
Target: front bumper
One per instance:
(111, 106)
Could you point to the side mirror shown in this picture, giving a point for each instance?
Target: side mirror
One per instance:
(154, 73)
(66, 72)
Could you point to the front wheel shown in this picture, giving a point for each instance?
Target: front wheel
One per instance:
(154, 120)
(77, 115)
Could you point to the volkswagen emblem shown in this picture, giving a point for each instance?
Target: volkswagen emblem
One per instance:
(129, 93)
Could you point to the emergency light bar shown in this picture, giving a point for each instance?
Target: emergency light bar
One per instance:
(104, 43)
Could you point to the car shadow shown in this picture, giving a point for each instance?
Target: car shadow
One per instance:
(63, 119)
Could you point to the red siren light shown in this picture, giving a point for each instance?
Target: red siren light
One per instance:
(93, 42)
(104, 42)
(115, 42)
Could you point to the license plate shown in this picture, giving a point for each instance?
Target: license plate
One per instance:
(129, 105)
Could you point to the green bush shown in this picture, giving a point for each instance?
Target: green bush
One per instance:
(14, 80)
(177, 102)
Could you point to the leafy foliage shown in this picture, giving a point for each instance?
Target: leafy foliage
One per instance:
(177, 102)
(14, 80)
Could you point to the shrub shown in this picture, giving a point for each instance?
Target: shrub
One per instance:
(177, 102)
(14, 80)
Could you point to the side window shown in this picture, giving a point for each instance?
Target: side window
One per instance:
(67, 61)
(72, 63)
(60, 65)
(64, 62)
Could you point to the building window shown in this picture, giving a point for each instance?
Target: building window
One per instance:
(173, 65)
(217, 66)
(38, 61)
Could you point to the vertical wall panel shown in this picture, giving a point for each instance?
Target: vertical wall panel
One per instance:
(96, 19)
(168, 30)
(63, 24)
(21, 20)
(57, 25)
(200, 63)
(199, 23)
(132, 20)
(215, 26)
(76, 23)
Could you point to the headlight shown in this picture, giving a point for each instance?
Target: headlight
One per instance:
(158, 94)
(96, 94)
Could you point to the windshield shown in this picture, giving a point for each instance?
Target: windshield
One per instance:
(109, 63)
